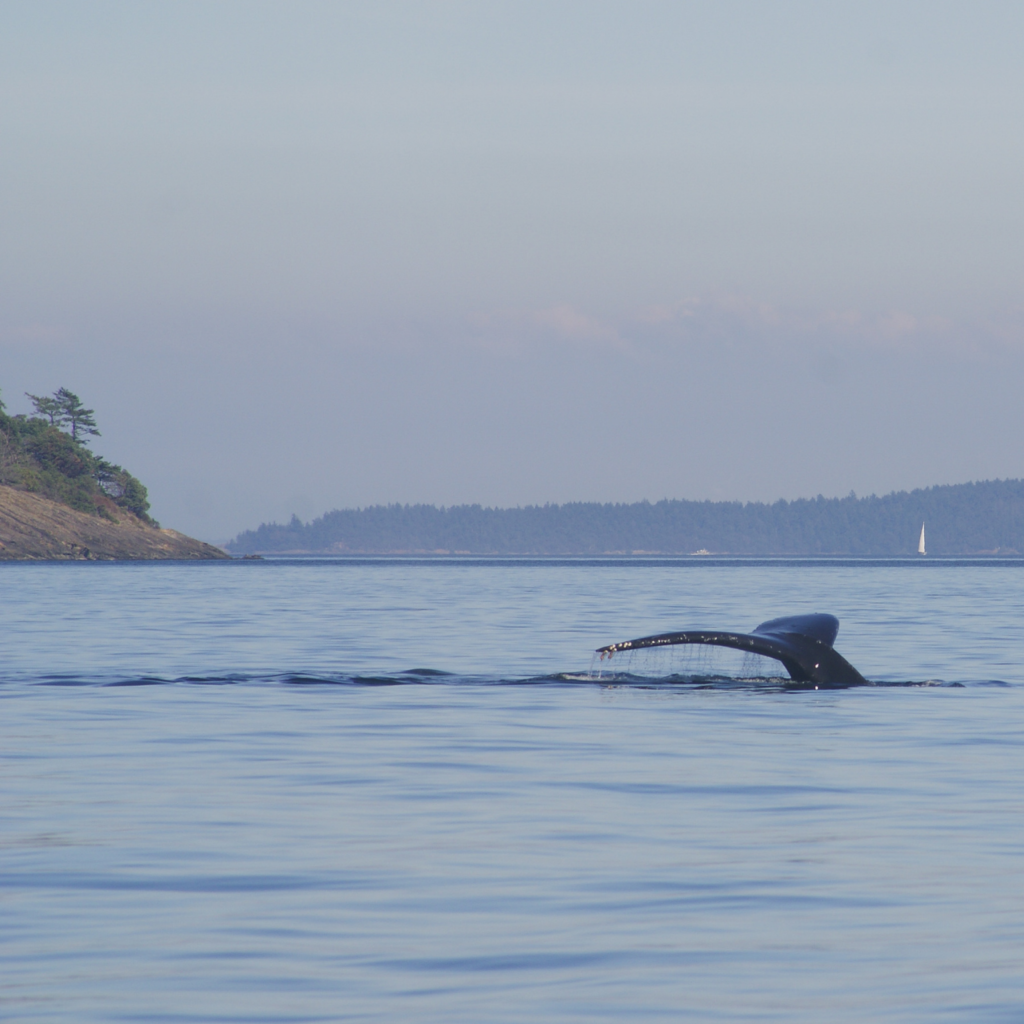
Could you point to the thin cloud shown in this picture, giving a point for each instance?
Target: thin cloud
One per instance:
(739, 320)
(514, 330)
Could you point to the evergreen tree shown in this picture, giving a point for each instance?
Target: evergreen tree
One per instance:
(71, 411)
(49, 407)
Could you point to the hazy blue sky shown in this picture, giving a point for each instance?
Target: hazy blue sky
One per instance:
(307, 255)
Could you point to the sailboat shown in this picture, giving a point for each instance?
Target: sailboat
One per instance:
(920, 543)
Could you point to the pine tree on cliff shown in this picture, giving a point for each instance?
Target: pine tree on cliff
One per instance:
(65, 409)
(45, 406)
(72, 412)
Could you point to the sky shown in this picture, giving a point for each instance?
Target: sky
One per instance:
(304, 255)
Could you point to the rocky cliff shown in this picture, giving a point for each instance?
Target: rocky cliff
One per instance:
(34, 527)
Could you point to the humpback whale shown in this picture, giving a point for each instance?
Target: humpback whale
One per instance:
(803, 643)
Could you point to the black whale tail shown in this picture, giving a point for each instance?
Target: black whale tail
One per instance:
(803, 643)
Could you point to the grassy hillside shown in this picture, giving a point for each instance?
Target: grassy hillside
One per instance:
(962, 519)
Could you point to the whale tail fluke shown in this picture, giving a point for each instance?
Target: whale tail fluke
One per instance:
(818, 626)
(802, 643)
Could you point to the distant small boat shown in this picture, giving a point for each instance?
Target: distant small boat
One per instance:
(920, 543)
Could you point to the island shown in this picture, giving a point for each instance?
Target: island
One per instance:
(59, 500)
(979, 519)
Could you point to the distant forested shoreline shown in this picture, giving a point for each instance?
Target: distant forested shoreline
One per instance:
(984, 518)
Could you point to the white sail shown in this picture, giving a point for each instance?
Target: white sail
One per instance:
(920, 543)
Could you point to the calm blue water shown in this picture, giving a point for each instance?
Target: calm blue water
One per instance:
(287, 824)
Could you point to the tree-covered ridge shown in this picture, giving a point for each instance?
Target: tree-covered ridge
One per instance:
(40, 454)
(961, 519)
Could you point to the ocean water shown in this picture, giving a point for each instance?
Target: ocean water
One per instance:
(397, 790)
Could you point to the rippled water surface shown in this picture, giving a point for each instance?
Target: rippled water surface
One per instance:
(387, 790)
